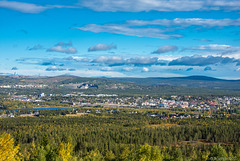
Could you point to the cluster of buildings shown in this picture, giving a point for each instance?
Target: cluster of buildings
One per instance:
(198, 103)
(101, 111)
(113, 100)
(7, 115)
(174, 116)
(25, 86)
(26, 98)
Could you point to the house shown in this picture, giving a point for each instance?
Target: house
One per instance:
(153, 115)
(163, 105)
(98, 111)
(10, 115)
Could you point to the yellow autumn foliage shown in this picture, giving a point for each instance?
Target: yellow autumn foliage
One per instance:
(7, 149)
(64, 151)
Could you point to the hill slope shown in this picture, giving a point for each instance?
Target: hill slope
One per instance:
(121, 86)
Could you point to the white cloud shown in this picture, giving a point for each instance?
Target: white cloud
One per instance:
(187, 22)
(29, 7)
(115, 60)
(36, 47)
(159, 5)
(219, 49)
(165, 49)
(203, 40)
(128, 69)
(136, 61)
(131, 5)
(198, 60)
(64, 44)
(145, 69)
(69, 50)
(168, 57)
(125, 30)
(235, 55)
(23, 7)
(106, 69)
(163, 29)
(213, 47)
(54, 68)
(102, 47)
(77, 58)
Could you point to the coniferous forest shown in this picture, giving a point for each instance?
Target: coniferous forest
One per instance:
(119, 136)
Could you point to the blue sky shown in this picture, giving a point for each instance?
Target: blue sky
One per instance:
(121, 38)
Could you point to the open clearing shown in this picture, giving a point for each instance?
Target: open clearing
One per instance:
(77, 114)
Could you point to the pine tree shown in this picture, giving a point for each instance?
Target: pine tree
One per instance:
(109, 156)
(46, 140)
(218, 152)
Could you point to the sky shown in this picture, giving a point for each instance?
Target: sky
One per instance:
(120, 38)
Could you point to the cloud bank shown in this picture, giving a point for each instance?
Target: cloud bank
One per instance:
(165, 49)
(29, 7)
(186, 22)
(54, 68)
(36, 47)
(163, 28)
(126, 30)
(197, 60)
(63, 48)
(102, 47)
(160, 5)
(131, 6)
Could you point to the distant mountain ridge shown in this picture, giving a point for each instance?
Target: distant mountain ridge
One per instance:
(190, 81)
(194, 77)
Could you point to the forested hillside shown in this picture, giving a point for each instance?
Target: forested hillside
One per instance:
(123, 136)
(121, 86)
